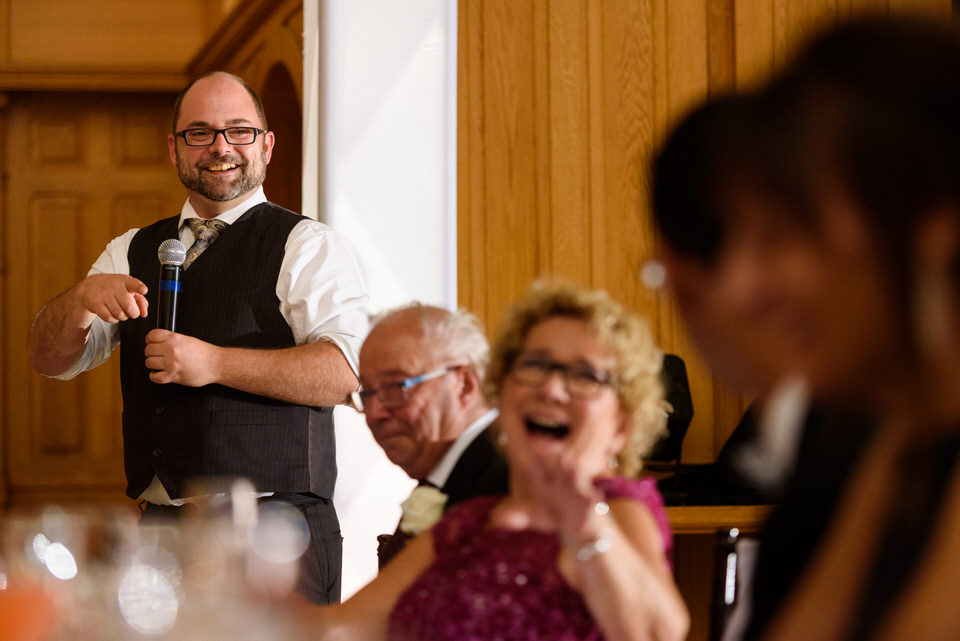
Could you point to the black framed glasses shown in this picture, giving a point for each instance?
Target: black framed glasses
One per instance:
(394, 395)
(581, 380)
(204, 136)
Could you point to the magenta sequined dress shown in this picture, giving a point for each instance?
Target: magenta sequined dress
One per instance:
(503, 585)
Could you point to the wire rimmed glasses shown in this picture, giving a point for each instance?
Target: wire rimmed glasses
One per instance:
(394, 395)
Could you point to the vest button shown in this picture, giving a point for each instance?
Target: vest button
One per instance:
(159, 410)
(156, 452)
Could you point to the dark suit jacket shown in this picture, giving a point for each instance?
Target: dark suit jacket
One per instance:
(830, 446)
(480, 471)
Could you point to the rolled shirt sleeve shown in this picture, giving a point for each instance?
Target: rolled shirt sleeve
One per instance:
(323, 289)
(103, 336)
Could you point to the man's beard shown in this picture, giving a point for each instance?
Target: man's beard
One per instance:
(196, 179)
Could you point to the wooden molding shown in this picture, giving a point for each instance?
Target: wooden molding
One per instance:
(4, 303)
(70, 496)
(86, 80)
(105, 45)
(236, 30)
(707, 519)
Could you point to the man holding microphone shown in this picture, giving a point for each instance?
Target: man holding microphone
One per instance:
(269, 323)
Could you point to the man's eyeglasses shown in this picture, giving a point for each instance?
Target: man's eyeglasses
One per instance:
(204, 137)
(394, 395)
(581, 380)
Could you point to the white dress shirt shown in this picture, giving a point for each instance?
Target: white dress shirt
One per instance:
(322, 287)
(768, 460)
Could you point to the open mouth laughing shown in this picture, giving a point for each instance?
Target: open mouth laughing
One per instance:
(546, 427)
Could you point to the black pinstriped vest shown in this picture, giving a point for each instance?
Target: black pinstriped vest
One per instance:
(228, 299)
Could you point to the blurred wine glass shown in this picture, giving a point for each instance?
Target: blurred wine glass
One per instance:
(57, 569)
(217, 572)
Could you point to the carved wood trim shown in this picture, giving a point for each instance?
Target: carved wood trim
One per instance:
(86, 80)
(236, 30)
(4, 455)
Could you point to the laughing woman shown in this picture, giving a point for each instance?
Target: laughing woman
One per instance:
(579, 548)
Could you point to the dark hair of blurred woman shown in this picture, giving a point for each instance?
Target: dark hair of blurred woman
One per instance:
(841, 242)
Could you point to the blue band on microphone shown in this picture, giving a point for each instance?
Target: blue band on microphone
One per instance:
(170, 285)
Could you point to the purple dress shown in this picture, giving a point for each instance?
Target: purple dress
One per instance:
(503, 585)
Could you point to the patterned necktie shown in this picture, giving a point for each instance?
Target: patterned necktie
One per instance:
(206, 232)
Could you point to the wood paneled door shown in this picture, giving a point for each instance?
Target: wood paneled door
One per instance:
(80, 169)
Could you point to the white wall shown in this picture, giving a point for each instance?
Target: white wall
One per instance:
(380, 136)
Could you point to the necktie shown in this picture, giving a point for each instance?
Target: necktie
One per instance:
(206, 232)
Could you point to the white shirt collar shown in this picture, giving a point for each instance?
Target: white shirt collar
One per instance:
(441, 472)
(231, 215)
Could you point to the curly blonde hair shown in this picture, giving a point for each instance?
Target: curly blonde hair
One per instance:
(625, 335)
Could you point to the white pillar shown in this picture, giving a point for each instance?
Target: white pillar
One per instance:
(380, 139)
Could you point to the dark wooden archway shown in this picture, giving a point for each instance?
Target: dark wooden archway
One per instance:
(282, 106)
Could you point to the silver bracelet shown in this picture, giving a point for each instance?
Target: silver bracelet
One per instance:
(592, 548)
(601, 543)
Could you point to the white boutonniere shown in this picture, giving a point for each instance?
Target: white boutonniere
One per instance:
(422, 509)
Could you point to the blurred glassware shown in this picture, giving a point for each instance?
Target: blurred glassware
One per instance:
(239, 558)
(61, 563)
(217, 572)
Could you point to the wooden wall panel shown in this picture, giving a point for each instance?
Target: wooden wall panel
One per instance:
(568, 238)
(753, 41)
(720, 46)
(53, 225)
(81, 169)
(561, 103)
(4, 397)
(622, 117)
(515, 188)
(144, 35)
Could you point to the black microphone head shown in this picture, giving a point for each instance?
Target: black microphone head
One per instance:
(172, 252)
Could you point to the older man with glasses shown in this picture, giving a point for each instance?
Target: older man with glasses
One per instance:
(420, 371)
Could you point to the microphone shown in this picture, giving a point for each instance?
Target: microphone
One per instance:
(171, 254)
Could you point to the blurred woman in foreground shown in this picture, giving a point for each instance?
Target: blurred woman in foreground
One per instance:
(844, 244)
(875, 105)
(574, 551)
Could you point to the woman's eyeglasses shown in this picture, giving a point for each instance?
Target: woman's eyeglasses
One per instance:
(581, 380)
